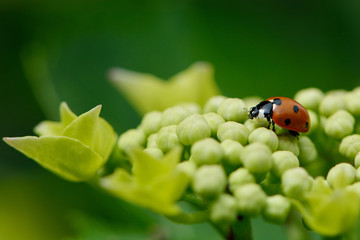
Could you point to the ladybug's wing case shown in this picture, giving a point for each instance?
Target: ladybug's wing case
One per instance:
(290, 114)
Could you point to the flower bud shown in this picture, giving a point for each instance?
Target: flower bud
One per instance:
(151, 122)
(214, 120)
(341, 175)
(232, 151)
(255, 123)
(310, 98)
(308, 152)
(340, 124)
(295, 182)
(166, 138)
(213, 104)
(354, 188)
(240, 177)
(357, 160)
(256, 157)
(151, 141)
(133, 138)
(332, 102)
(314, 119)
(350, 146)
(174, 115)
(352, 102)
(265, 136)
(282, 161)
(223, 210)
(233, 109)
(187, 167)
(209, 181)
(289, 143)
(193, 108)
(192, 129)
(250, 199)
(233, 130)
(277, 208)
(154, 152)
(252, 101)
(206, 151)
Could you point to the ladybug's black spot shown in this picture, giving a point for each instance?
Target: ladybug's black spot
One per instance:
(277, 101)
(296, 108)
(306, 124)
(287, 121)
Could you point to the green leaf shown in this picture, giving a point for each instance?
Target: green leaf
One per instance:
(155, 184)
(147, 92)
(67, 157)
(330, 214)
(83, 127)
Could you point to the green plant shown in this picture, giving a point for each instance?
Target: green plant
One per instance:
(196, 146)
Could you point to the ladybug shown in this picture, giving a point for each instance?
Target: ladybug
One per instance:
(285, 112)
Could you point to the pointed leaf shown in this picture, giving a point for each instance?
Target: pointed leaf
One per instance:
(147, 92)
(83, 128)
(105, 139)
(49, 128)
(67, 116)
(69, 158)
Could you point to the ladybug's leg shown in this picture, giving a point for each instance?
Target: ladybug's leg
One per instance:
(295, 134)
(268, 118)
(273, 125)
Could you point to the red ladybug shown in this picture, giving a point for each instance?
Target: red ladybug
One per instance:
(285, 112)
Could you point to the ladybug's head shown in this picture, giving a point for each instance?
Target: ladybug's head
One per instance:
(253, 112)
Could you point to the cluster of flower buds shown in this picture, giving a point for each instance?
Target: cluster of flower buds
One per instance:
(240, 167)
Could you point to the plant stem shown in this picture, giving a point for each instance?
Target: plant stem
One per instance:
(241, 229)
(190, 218)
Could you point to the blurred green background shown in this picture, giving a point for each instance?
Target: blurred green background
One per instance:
(52, 51)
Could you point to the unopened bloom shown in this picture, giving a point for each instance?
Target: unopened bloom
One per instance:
(209, 180)
(206, 151)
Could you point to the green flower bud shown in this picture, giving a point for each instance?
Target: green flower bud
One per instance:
(358, 174)
(240, 177)
(357, 160)
(308, 152)
(282, 161)
(310, 98)
(133, 138)
(341, 175)
(223, 210)
(350, 146)
(250, 199)
(151, 122)
(314, 119)
(214, 120)
(276, 209)
(151, 141)
(209, 181)
(192, 129)
(255, 123)
(154, 152)
(295, 182)
(233, 109)
(233, 130)
(232, 150)
(265, 136)
(174, 115)
(354, 188)
(206, 151)
(187, 167)
(166, 138)
(213, 104)
(193, 108)
(289, 143)
(352, 102)
(332, 102)
(340, 124)
(256, 157)
(252, 101)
